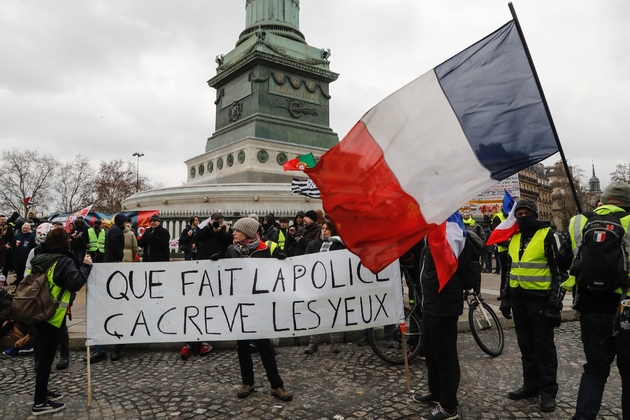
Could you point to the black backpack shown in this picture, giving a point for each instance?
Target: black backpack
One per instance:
(470, 261)
(602, 261)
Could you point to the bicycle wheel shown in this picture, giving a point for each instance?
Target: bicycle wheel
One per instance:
(387, 341)
(486, 328)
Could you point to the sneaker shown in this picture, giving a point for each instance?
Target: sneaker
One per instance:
(362, 342)
(204, 349)
(438, 413)
(53, 396)
(311, 348)
(12, 352)
(426, 399)
(63, 363)
(335, 347)
(47, 407)
(185, 352)
(282, 393)
(245, 391)
(115, 356)
(26, 350)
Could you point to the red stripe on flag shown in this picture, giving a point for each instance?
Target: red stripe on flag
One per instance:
(377, 220)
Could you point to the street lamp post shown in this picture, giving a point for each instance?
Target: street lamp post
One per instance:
(139, 155)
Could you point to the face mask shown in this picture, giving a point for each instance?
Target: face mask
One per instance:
(526, 223)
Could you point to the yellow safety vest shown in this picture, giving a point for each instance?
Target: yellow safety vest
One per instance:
(272, 246)
(281, 239)
(502, 217)
(532, 272)
(55, 291)
(94, 242)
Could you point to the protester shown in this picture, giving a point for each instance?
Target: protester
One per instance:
(328, 241)
(96, 242)
(66, 275)
(17, 331)
(533, 297)
(308, 233)
(270, 231)
(502, 250)
(602, 337)
(23, 242)
(188, 239)
(247, 244)
(130, 247)
(79, 238)
(154, 242)
(214, 239)
(282, 232)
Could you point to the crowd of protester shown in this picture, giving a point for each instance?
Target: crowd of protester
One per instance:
(533, 266)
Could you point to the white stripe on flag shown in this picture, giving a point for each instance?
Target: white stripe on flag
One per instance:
(304, 187)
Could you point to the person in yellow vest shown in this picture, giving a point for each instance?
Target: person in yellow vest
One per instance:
(66, 275)
(282, 232)
(533, 296)
(502, 249)
(96, 242)
(599, 311)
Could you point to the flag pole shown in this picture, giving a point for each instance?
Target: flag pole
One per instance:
(544, 100)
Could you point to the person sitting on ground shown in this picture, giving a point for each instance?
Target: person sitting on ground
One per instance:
(247, 244)
(17, 331)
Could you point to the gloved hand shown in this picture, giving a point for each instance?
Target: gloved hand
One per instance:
(506, 309)
(215, 257)
(280, 256)
(552, 315)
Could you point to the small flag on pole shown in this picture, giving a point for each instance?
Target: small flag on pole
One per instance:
(300, 163)
(304, 187)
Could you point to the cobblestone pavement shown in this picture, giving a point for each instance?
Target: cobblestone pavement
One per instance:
(354, 384)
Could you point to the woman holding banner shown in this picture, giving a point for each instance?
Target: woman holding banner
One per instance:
(247, 244)
(328, 241)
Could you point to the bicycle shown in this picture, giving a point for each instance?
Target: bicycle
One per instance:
(386, 341)
(484, 324)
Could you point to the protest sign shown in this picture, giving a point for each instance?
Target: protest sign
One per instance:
(234, 299)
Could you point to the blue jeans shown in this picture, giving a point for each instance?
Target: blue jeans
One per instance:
(600, 348)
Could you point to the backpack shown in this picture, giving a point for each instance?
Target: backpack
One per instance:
(602, 264)
(470, 261)
(33, 302)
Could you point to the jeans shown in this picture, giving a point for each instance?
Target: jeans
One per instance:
(600, 348)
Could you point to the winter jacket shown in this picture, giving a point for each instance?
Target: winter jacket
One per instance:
(154, 243)
(130, 249)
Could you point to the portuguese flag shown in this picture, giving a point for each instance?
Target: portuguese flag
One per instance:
(300, 163)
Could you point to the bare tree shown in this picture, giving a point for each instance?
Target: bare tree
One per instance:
(26, 174)
(115, 181)
(564, 206)
(75, 189)
(621, 173)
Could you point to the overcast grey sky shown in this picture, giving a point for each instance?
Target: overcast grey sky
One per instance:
(109, 78)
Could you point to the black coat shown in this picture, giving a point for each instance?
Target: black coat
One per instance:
(309, 234)
(154, 243)
(210, 242)
(186, 241)
(448, 302)
(114, 244)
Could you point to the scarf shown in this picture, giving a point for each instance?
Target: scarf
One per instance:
(248, 246)
(328, 242)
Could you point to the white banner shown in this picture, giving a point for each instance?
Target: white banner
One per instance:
(233, 299)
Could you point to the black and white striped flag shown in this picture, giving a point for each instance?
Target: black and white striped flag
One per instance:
(304, 187)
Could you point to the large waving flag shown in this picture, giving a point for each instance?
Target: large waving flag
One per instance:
(74, 216)
(447, 242)
(424, 151)
(508, 227)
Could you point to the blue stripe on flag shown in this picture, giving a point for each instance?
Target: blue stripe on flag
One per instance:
(492, 90)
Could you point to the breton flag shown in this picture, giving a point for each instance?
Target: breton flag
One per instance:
(508, 227)
(424, 151)
(304, 187)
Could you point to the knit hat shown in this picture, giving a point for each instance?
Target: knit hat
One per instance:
(311, 214)
(617, 193)
(247, 225)
(526, 204)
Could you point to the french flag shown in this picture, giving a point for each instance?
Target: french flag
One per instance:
(424, 151)
(508, 227)
(447, 242)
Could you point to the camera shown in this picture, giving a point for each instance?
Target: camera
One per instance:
(215, 224)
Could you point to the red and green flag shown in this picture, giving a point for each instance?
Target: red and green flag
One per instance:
(300, 163)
